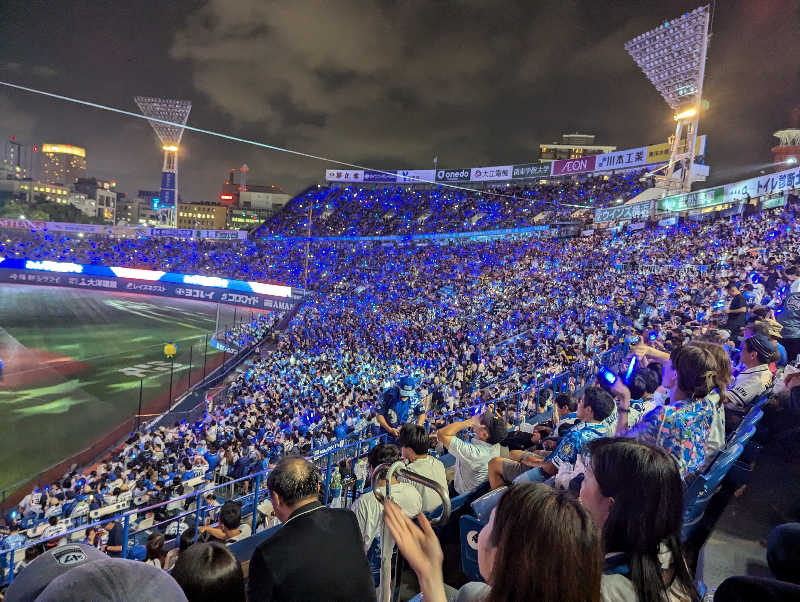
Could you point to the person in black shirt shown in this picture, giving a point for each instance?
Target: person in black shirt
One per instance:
(737, 311)
(114, 543)
(318, 553)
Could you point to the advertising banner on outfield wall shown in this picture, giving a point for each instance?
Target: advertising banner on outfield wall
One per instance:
(161, 289)
(691, 200)
(531, 170)
(379, 176)
(344, 175)
(624, 159)
(767, 184)
(565, 167)
(490, 174)
(405, 176)
(453, 175)
(636, 211)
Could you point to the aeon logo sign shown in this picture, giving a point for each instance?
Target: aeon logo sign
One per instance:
(568, 166)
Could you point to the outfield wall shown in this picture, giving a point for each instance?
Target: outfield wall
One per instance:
(258, 295)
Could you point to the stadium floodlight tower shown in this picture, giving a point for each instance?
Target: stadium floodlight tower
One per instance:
(673, 57)
(167, 117)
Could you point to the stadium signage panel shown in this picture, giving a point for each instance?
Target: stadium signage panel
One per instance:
(659, 153)
(488, 174)
(635, 211)
(565, 167)
(344, 175)
(166, 284)
(624, 159)
(379, 176)
(413, 175)
(768, 184)
(531, 170)
(691, 200)
(453, 175)
(587, 232)
(637, 226)
(668, 221)
(24, 224)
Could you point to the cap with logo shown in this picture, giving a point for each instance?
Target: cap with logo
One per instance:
(82, 572)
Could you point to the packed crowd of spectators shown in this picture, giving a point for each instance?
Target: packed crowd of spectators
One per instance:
(469, 325)
(398, 210)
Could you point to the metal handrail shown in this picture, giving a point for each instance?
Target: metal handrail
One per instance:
(400, 469)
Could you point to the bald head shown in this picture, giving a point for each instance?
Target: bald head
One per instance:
(294, 480)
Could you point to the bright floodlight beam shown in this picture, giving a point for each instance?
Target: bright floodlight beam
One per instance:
(673, 57)
(176, 112)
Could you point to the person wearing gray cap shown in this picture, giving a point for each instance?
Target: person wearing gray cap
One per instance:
(76, 572)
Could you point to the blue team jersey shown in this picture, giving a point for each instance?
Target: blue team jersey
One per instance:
(396, 410)
(571, 444)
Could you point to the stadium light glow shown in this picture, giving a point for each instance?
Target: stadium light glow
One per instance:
(137, 274)
(275, 290)
(206, 281)
(791, 161)
(54, 266)
(686, 114)
(170, 148)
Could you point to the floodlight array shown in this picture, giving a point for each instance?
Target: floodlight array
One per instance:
(166, 109)
(672, 56)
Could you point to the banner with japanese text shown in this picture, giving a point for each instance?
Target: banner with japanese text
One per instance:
(636, 211)
(691, 200)
(531, 171)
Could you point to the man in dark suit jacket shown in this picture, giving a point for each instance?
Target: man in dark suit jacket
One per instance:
(317, 554)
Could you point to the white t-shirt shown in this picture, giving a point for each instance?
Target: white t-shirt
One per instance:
(369, 511)
(472, 462)
(432, 468)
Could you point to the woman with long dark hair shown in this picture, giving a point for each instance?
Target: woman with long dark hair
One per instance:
(539, 544)
(634, 493)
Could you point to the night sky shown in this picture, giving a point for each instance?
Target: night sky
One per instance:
(386, 84)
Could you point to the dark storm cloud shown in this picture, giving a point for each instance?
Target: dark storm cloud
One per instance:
(388, 84)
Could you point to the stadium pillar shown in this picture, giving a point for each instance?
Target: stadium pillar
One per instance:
(205, 353)
(191, 348)
(139, 413)
(171, 370)
(234, 317)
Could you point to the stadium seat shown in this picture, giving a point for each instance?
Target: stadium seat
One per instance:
(469, 528)
(483, 506)
(704, 486)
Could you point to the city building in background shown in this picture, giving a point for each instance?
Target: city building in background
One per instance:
(101, 191)
(788, 151)
(62, 164)
(207, 215)
(573, 146)
(249, 203)
(19, 160)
